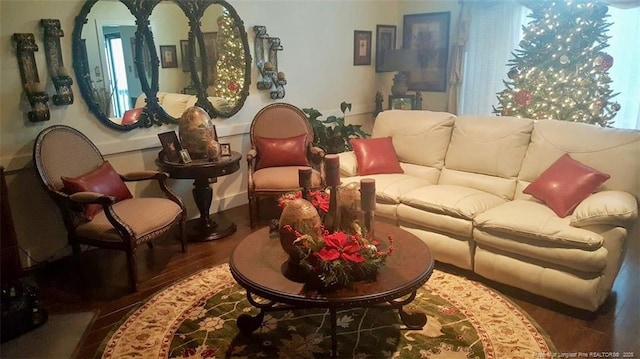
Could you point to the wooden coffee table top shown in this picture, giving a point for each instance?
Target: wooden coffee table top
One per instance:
(258, 261)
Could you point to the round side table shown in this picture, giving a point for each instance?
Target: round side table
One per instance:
(207, 227)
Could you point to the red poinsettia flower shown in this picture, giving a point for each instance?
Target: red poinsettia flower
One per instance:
(339, 245)
(319, 200)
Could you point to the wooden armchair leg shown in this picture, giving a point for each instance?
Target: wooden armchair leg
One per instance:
(150, 245)
(253, 211)
(132, 267)
(183, 236)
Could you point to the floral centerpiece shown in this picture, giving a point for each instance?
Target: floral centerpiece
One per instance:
(334, 259)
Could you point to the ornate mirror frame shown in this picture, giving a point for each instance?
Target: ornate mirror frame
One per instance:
(153, 114)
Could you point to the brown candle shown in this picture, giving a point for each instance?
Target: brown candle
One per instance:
(304, 177)
(332, 166)
(368, 194)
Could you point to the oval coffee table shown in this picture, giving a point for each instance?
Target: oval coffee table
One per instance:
(258, 261)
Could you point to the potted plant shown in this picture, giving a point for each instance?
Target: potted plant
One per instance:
(332, 134)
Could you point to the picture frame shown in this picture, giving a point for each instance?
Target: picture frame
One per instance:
(211, 51)
(171, 145)
(361, 47)
(168, 56)
(184, 53)
(385, 40)
(225, 149)
(403, 102)
(429, 34)
(184, 156)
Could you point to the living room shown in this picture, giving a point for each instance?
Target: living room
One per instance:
(317, 58)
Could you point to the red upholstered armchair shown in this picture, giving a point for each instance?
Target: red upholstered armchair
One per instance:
(281, 143)
(97, 207)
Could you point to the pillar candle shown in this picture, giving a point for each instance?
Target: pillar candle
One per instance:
(304, 177)
(368, 194)
(332, 166)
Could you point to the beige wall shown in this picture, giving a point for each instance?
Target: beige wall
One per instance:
(317, 37)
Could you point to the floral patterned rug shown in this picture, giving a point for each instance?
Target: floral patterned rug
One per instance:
(196, 318)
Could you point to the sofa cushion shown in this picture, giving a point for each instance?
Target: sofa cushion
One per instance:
(615, 208)
(419, 137)
(275, 152)
(489, 145)
(104, 180)
(456, 201)
(565, 184)
(440, 223)
(535, 221)
(375, 156)
(390, 187)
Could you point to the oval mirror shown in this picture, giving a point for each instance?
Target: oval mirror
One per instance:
(119, 63)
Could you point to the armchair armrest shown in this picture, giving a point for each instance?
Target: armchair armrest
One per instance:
(144, 175)
(611, 207)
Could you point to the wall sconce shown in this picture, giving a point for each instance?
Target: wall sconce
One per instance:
(25, 47)
(61, 79)
(401, 60)
(271, 79)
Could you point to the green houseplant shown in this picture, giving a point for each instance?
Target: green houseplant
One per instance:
(332, 134)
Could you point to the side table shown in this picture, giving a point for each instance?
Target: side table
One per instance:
(207, 227)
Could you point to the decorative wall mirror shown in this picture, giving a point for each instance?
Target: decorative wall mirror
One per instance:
(116, 59)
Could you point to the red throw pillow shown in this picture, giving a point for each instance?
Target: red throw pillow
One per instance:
(103, 179)
(131, 116)
(375, 156)
(565, 184)
(276, 152)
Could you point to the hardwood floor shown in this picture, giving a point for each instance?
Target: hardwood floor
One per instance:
(613, 329)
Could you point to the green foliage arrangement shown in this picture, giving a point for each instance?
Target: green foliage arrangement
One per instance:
(332, 134)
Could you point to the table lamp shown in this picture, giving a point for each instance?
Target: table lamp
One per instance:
(401, 60)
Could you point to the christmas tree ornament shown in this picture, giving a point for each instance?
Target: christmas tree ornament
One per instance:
(513, 74)
(607, 62)
(615, 107)
(598, 60)
(564, 59)
(523, 98)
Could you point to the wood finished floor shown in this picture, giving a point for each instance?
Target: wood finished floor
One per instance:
(613, 329)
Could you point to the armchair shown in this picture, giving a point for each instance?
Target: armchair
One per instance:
(97, 208)
(281, 143)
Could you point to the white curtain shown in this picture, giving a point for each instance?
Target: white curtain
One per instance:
(624, 46)
(495, 31)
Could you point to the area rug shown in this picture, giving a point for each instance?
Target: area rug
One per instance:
(196, 318)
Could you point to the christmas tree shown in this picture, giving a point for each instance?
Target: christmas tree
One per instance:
(230, 66)
(560, 70)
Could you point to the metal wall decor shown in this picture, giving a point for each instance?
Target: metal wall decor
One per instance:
(272, 79)
(25, 47)
(59, 75)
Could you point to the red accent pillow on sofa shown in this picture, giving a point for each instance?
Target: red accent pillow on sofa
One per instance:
(131, 116)
(565, 184)
(277, 152)
(103, 179)
(375, 156)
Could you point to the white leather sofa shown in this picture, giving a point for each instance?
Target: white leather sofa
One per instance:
(462, 193)
(176, 103)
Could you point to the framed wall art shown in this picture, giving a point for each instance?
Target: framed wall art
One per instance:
(385, 40)
(429, 34)
(168, 56)
(403, 102)
(361, 47)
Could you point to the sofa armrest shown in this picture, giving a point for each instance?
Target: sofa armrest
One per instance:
(348, 164)
(615, 208)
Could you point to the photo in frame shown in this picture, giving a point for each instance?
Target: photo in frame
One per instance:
(211, 50)
(171, 146)
(429, 34)
(404, 102)
(385, 40)
(168, 56)
(361, 47)
(225, 149)
(184, 156)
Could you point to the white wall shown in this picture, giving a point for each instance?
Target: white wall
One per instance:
(317, 59)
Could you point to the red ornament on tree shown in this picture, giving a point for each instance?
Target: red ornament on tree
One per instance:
(607, 62)
(523, 98)
(233, 86)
